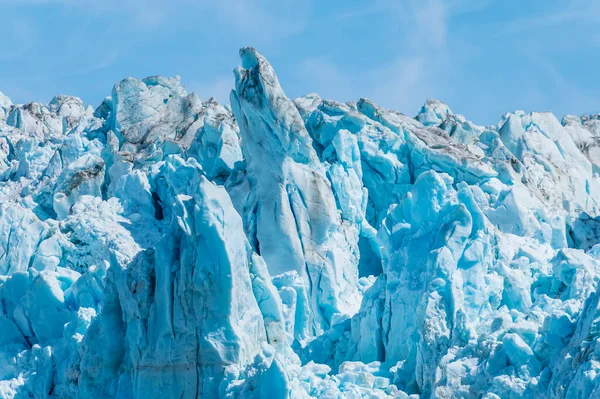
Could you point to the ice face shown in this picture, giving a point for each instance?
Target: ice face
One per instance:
(164, 246)
(291, 210)
(5, 104)
(184, 312)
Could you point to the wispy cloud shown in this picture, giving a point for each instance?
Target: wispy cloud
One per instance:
(567, 95)
(219, 88)
(419, 67)
(429, 21)
(423, 65)
(570, 12)
(397, 52)
(142, 13)
(403, 84)
(261, 19)
(106, 62)
(376, 7)
(22, 35)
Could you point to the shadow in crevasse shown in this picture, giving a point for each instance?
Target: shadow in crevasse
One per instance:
(584, 232)
(145, 229)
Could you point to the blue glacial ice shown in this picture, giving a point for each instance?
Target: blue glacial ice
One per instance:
(162, 246)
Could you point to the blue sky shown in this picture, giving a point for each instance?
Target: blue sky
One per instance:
(483, 58)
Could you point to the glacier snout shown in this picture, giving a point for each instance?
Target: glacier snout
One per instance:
(164, 246)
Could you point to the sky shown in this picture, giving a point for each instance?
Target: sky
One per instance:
(481, 57)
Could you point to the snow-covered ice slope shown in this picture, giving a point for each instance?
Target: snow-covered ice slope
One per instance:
(161, 246)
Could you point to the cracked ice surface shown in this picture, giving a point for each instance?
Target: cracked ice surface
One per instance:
(164, 246)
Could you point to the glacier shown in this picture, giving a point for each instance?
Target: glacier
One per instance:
(162, 246)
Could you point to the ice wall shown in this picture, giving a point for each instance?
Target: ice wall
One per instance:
(164, 246)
